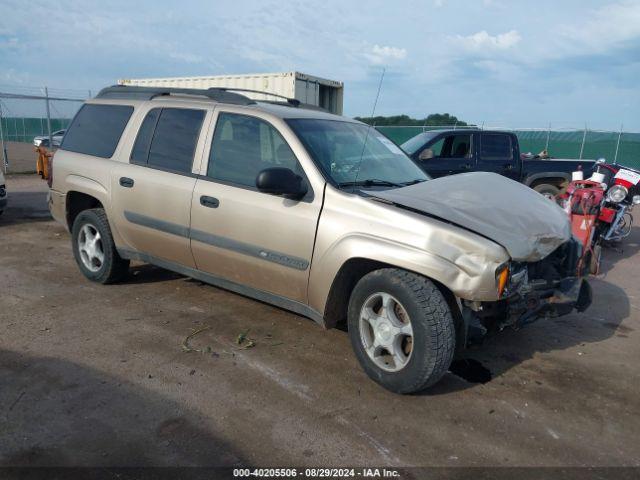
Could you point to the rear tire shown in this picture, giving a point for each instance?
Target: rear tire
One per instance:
(547, 190)
(94, 249)
(415, 360)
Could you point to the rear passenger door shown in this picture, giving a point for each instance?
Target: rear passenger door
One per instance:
(497, 154)
(152, 193)
(448, 155)
(245, 236)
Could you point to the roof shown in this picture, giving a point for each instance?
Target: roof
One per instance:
(287, 111)
(288, 108)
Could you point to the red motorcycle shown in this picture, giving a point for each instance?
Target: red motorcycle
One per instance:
(600, 209)
(583, 200)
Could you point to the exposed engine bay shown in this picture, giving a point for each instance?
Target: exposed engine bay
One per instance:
(548, 288)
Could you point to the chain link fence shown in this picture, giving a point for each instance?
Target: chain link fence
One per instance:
(28, 112)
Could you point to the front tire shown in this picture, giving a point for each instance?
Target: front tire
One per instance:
(401, 330)
(94, 249)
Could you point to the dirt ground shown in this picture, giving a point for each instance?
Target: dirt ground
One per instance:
(96, 375)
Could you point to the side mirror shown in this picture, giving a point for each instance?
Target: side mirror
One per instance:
(281, 181)
(426, 154)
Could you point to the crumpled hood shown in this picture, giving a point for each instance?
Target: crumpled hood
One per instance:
(525, 223)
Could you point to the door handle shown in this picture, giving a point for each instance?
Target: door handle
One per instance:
(467, 166)
(210, 202)
(126, 182)
(508, 166)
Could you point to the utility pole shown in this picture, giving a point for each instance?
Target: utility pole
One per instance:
(46, 94)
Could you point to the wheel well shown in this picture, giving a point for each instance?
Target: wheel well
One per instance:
(555, 181)
(76, 203)
(348, 276)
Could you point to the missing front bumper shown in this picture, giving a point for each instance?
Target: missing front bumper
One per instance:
(531, 302)
(570, 294)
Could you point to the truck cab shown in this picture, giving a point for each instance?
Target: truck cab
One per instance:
(448, 152)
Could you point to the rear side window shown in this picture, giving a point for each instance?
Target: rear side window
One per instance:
(96, 129)
(167, 139)
(494, 146)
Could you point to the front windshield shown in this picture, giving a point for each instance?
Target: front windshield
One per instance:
(412, 145)
(340, 150)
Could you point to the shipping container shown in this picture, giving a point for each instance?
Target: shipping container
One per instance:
(308, 89)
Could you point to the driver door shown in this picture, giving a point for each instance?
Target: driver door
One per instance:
(448, 155)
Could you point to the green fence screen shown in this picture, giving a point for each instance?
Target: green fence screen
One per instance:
(21, 129)
(562, 144)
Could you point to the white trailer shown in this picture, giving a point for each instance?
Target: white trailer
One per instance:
(308, 89)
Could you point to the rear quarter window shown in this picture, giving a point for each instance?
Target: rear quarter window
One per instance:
(96, 129)
(495, 146)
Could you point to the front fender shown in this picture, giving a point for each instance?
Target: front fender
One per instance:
(468, 274)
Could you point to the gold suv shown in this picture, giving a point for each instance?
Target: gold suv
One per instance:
(314, 213)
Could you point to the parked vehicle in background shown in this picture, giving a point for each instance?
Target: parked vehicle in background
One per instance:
(448, 152)
(3, 193)
(315, 213)
(43, 140)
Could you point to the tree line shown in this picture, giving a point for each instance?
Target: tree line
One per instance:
(435, 119)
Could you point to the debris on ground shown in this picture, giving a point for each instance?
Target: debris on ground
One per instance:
(188, 348)
(244, 341)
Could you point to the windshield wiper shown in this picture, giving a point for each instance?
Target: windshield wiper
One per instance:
(371, 182)
(413, 182)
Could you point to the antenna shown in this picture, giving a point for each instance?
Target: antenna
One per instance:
(373, 112)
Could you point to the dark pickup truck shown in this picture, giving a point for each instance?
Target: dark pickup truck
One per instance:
(447, 152)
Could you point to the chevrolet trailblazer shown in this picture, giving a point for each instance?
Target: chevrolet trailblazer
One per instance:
(315, 213)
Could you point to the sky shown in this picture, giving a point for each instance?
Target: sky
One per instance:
(502, 63)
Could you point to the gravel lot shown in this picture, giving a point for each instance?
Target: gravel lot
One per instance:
(96, 375)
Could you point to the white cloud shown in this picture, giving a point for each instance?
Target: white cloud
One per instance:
(606, 27)
(482, 40)
(382, 55)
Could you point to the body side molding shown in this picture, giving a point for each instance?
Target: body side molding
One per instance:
(217, 241)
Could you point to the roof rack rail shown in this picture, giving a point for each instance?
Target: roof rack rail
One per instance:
(298, 104)
(147, 93)
(291, 101)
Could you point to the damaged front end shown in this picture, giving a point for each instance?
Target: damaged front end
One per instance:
(544, 289)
